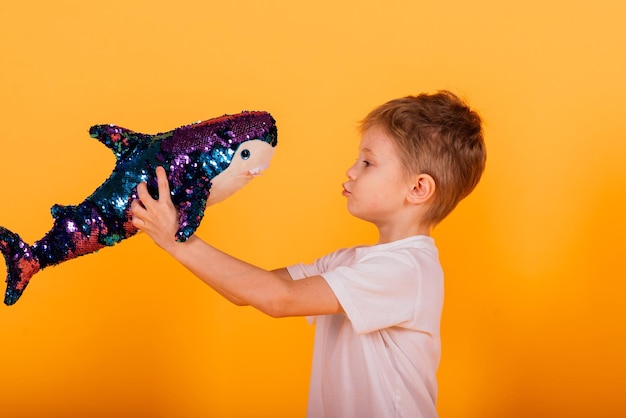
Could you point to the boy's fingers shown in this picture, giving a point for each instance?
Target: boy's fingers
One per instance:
(136, 210)
(144, 203)
(164, 185)
(136, 206)
(142, 193)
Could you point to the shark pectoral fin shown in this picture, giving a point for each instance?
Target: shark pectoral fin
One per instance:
(190, 220)
(120, 140)
(191, 209)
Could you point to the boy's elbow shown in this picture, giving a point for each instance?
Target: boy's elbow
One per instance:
(239, 302)
(269, 309)
(277, 305)
(274, 309)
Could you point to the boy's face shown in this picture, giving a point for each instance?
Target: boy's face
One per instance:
(377, 185)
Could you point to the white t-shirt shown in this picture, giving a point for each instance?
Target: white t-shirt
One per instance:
(379, 359)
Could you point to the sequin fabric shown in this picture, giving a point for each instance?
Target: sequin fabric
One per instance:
(192, 156)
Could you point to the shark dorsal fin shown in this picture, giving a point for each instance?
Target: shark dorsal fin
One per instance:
(120, 140)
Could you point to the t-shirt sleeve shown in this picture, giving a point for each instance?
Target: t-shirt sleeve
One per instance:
(382, 289)
(379, 291)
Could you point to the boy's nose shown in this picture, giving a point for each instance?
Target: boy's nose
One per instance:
(350, 172)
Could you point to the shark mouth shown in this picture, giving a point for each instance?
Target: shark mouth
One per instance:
(257, 171)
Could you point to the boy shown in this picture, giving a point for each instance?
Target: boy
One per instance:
(377, 308)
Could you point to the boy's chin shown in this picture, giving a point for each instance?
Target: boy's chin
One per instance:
(357, 214)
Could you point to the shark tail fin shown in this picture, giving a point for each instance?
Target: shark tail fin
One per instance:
(21, 264)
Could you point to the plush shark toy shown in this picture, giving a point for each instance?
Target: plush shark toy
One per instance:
(205, 163)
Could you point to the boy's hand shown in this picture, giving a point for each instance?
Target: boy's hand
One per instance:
(157, 218)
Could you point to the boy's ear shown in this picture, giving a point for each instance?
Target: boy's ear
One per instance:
(423, 189)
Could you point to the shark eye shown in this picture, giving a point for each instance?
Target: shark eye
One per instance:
(245, 154)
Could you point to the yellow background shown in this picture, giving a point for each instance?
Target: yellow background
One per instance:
(533, 324)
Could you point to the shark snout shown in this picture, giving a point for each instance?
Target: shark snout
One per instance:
(250, 160)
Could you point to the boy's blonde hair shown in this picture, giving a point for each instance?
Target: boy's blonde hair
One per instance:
(439, 135)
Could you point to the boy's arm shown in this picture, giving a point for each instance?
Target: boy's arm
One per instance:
(271, 292)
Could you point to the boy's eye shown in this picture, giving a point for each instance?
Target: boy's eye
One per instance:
(366, 163)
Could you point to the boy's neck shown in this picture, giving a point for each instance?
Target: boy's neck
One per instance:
(387, 234)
